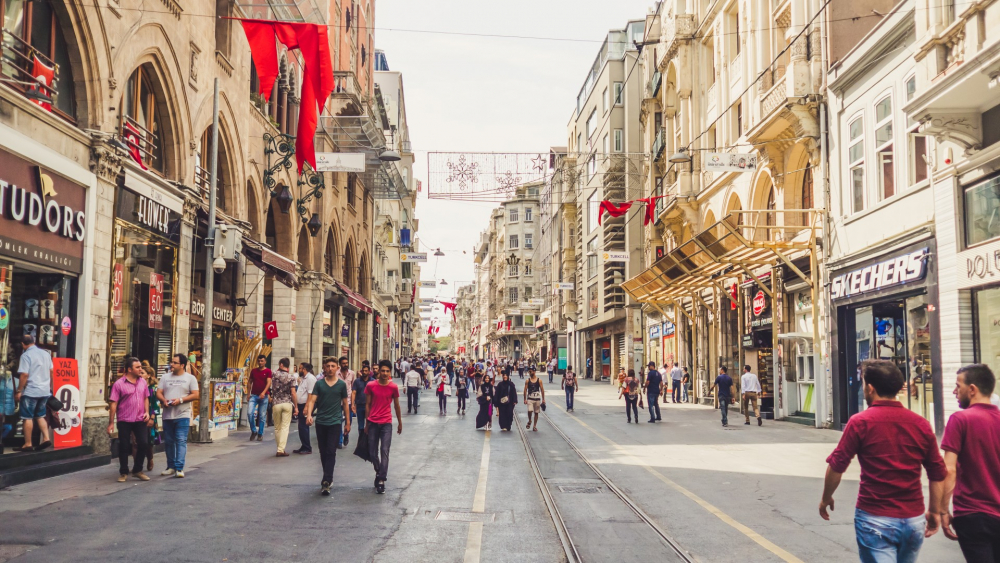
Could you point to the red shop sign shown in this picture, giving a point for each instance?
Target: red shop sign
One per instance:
(759, 303)
(68, 432)
(155, 300)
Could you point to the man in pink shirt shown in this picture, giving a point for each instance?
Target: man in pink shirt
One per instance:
(972, 455)
(379, 395)
(130, 406)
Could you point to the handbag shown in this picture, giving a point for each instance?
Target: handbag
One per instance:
(54, 404)
(504, 400)
(447, 390)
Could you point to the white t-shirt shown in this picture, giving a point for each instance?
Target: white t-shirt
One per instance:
(749, 383)
(404, 366)
(177, 387)
(412, 379)
(305, 388)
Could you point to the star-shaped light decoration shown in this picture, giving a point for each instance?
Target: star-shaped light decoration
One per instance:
(538, 164)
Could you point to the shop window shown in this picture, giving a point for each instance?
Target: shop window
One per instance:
(36, 303)
(33, 29)
(141, 119)
(883, 148)
(856, 164)
(982, 211)
(987, 329)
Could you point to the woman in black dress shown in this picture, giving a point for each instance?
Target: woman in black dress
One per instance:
(485, 398)
(506, 400)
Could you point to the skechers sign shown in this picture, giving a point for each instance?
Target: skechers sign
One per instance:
(42, 218)
(892, 272)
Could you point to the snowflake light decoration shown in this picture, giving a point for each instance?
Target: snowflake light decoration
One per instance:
(464, 173)
(507, 182)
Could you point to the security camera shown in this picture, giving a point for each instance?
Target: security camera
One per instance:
(219, 265)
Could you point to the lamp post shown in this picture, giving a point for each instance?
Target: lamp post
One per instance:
(206, 344)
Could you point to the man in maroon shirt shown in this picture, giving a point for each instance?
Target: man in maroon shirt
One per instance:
(891, 443)
(972, 456)
(260, 384)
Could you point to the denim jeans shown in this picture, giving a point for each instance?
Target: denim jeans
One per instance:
(411, 399)
(888, 540)
(442, 401)
(257, 414)
(379, 442)
(724, 408)
(654, 406)
(550, 377)
(676, 393)
(362, 416)
(684, 392)
(632, 406)
(175, 437)
(569, 397)
(304, 431)
(340, 442)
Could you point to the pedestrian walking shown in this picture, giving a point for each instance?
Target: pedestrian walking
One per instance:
(129, 412)
(412, 383)
(685, 382)
(359, 403)
(441, 390)
(303, 388)
(506, 399)
(521, 366)
(462, 390)
(260, 385)
(477, 381)
(177, 390)
(348, 375)
(485, 397)
(676, 375)
(33, 392)
(450, 368)
(327, 407)
(654, 388)
(620, 378)
(750, 386)
(283, 404)
(380, 395)
(630, 390)
(972, 455)
(590, 368)
(725, 390)
(551, 368)
(570, 386)
(534, 398)
(892, 443)
(153, 436)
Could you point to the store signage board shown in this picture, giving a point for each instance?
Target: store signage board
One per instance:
(42, 217)
(513, 311)
(615, 256)
(413, 257)
(340, 162)
(979, 266)
(668, 330)
(730, 162)
(564, 285)
(895, 271)
(66, 383)
(427, 301)
(149, 214)
(428, 284)
(117, 292)
(155, 300)
(536, 301)
(654, 331)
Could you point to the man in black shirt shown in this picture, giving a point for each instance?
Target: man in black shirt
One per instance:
(725, 390)
(358, 395)
(654, 386)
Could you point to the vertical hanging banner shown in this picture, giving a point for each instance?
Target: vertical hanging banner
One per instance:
(155, 300)
(68, 433)
(117, 289)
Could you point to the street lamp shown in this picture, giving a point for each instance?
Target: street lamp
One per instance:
(314, 225)
(680, 157)
(442, 282)
(438, 252)
(389, 155)
(284, 199)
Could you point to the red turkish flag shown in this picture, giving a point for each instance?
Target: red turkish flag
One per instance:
(733, 294)
(449, 307)
(45, 76)
(650, 202)
(133, 140)
(612, 209)
(313, 43)
(271, 330)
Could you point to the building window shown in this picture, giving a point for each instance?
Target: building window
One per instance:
(917, 152)
(592, 258)
(512, 270)
(579, 143)
(591, 167)
(807, 192)
(592, 296)
(512, 242)
(982, 212)
(739, 119)
(141, 127)
(619, 99)
(527, 214)
(591, 124)
(856, 163)
(352, 181)
(32, 28)
(527, 272)
(513, 215)
(512, 295)
(604, 144)
(593, 211)
(528, 241)
(883, 148)
(604, 101)
(347, 19)
(619, 140)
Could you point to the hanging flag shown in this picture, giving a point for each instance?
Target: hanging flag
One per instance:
(430, 329)
(313, 43)
(449, 307)
(45, 76)
(437, 329)
(650, 216)
(508, 325)
(612, 209)
(133, 139)
(733, 294)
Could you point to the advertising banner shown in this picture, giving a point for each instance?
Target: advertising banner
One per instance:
(155, 300)
(413, 257)
(340, 162)
(615, 256)
(68, 433)
(428, 284)
(224, 409)
(730, 162)
(117, 289)
(564, 285)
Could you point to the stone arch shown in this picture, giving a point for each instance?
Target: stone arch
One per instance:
(349, 269)
(278, 231)
(763, 196)
(708, 220)
(331, 253)
(253, 211)
(364, 273)
(304, 253)
(83, 63)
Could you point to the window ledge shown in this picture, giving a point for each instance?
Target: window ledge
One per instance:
(914, 189)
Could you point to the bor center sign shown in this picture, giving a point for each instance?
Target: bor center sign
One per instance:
(888, 273)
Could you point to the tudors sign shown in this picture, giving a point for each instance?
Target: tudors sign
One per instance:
(42, 217)
(900, 270)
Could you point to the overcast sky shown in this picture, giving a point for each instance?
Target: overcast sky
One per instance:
(474, 94)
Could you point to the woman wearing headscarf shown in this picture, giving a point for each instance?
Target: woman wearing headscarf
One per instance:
(440, 382)
(461, 390)
(506, 399)
(485, 398)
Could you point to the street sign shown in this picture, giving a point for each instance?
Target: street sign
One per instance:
(340, 162)
(615, 256)
(730, 162)
(413, 257)
(428, 284)
(564, 285)
(427, 301)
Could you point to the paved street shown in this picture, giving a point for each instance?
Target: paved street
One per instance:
(454, 494)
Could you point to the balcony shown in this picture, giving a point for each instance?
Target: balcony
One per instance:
(386, 290)
(18, 66)
(659, 142)
(346, 87)
(653, 86)
(138, 138)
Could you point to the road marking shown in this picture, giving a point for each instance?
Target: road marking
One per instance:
(474, 544)
(712, 509)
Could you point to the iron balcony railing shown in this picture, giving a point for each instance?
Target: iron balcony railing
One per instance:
(658, 143)
(18, 64)
(654, 84)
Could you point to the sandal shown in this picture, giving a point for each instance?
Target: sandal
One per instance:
(26, 449)
(535, 429)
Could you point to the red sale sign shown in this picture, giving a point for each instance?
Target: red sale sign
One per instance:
(155, 300)
(117, 289)
(271, 330)
(759, 303)
(68, 432)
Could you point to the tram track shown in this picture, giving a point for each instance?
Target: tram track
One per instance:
(564, 529)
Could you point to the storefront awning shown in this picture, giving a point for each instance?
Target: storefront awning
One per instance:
(355, 299)
(270, 262)
(739, 243)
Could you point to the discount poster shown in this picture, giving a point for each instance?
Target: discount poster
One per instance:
(68, 433)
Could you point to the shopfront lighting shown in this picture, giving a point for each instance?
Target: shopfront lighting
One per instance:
(284, 199)
(314, 225)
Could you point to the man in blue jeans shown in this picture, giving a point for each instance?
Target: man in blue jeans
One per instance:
(892, 443)
(260, 386)
(176, 391)
(33, 391)
(654, 388)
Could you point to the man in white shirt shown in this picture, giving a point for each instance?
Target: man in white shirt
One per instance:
(306, 383)
(676, 374)
(404, 367)
(412, 382)
(750, 386)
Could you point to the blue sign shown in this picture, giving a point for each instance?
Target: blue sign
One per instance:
(654, 331)
(668, 329)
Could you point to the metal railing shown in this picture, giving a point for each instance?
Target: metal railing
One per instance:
(653, 87)
(18, 63)
(145, 141)
(658, 144)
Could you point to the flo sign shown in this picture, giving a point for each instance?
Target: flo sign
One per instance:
(903, 269)
(42, 215)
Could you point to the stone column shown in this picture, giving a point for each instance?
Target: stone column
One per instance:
(182, 285)
(309, 319)
(283, 313)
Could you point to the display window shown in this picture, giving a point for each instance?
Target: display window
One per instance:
(987, 307)
(37, 303)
